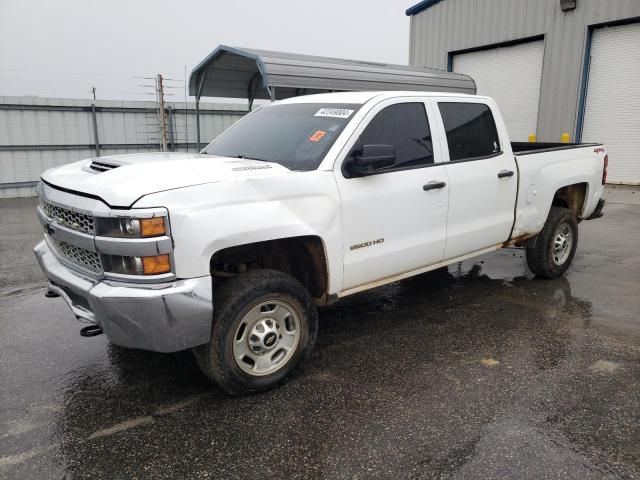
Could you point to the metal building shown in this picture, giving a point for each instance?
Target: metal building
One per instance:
(553, 66)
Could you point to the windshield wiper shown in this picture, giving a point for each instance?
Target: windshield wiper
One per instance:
(244, 157)
(235, 155)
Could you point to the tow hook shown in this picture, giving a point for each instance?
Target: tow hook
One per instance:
(51, 294)
(91, 331)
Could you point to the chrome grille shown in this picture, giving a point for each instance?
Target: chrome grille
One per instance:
(79, 256)
(69, 218)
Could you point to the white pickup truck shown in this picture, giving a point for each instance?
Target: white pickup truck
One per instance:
(302, 202)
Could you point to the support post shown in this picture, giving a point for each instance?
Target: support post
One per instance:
(198, 93)
(95, 129)
(198, 124)
(252, 88)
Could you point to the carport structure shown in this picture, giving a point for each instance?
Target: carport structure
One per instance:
(259, 74)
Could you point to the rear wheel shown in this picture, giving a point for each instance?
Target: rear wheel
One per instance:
(264, 325)
(555, 245)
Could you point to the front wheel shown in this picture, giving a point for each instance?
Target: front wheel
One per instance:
(264, 325)
(555, 245)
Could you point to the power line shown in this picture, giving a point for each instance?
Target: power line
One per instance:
(66, 82)
(91, 74)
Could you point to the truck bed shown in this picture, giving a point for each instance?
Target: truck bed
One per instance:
(527, 148)
(544, 168)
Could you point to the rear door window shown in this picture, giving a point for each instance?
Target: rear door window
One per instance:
(471, 130)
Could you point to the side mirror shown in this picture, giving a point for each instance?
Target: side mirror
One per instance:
(370, 159)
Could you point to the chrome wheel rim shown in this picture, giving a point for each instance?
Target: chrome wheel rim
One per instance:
(266, 338)
(562, 242)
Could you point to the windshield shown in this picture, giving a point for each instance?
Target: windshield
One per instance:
(296, 135)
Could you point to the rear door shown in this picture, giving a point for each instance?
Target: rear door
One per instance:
(394, 221)
(482, 175)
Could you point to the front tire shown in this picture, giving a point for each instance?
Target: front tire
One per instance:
(264, 326)
(555, 245)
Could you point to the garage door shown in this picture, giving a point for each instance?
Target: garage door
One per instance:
(612, 109)
(511, 75)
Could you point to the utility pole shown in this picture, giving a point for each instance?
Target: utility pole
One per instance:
(93, 90)
(162, 114)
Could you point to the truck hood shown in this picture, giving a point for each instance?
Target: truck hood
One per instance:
(120, 180)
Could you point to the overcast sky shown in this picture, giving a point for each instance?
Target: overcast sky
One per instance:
(61, 48)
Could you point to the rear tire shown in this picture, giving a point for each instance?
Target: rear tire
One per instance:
(555, 245)
(264, 326)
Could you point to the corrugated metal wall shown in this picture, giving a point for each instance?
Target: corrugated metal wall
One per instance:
(454, 25)
(40, 133)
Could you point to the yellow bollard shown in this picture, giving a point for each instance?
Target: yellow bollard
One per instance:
(565, 138)
(533, 138)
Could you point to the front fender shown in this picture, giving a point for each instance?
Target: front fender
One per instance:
(208, 218)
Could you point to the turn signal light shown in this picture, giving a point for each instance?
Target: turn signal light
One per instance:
(152, 227)
(156, 265)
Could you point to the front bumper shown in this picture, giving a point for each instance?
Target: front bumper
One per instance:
(166, 317)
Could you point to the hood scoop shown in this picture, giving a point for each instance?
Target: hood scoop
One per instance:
(101, 166)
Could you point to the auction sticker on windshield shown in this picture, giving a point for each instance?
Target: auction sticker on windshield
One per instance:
(317, 136)
(334, 112)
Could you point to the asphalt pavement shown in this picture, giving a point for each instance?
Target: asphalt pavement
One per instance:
(478, 372)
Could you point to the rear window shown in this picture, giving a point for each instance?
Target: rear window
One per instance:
(471, 130)
(296, 135)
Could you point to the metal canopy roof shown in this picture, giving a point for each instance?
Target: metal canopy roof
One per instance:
(246, 73)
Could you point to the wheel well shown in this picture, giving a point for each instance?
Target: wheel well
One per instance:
(301, 257)
(571, 197)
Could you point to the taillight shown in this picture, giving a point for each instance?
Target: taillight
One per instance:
(604, 169)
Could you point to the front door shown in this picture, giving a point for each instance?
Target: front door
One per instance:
(394, 220)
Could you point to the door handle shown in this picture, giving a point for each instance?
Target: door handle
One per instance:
(433, 186)
(505, 173)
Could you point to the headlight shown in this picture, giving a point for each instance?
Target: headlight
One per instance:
(132, 227)
(146, 262)
(125, 265)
